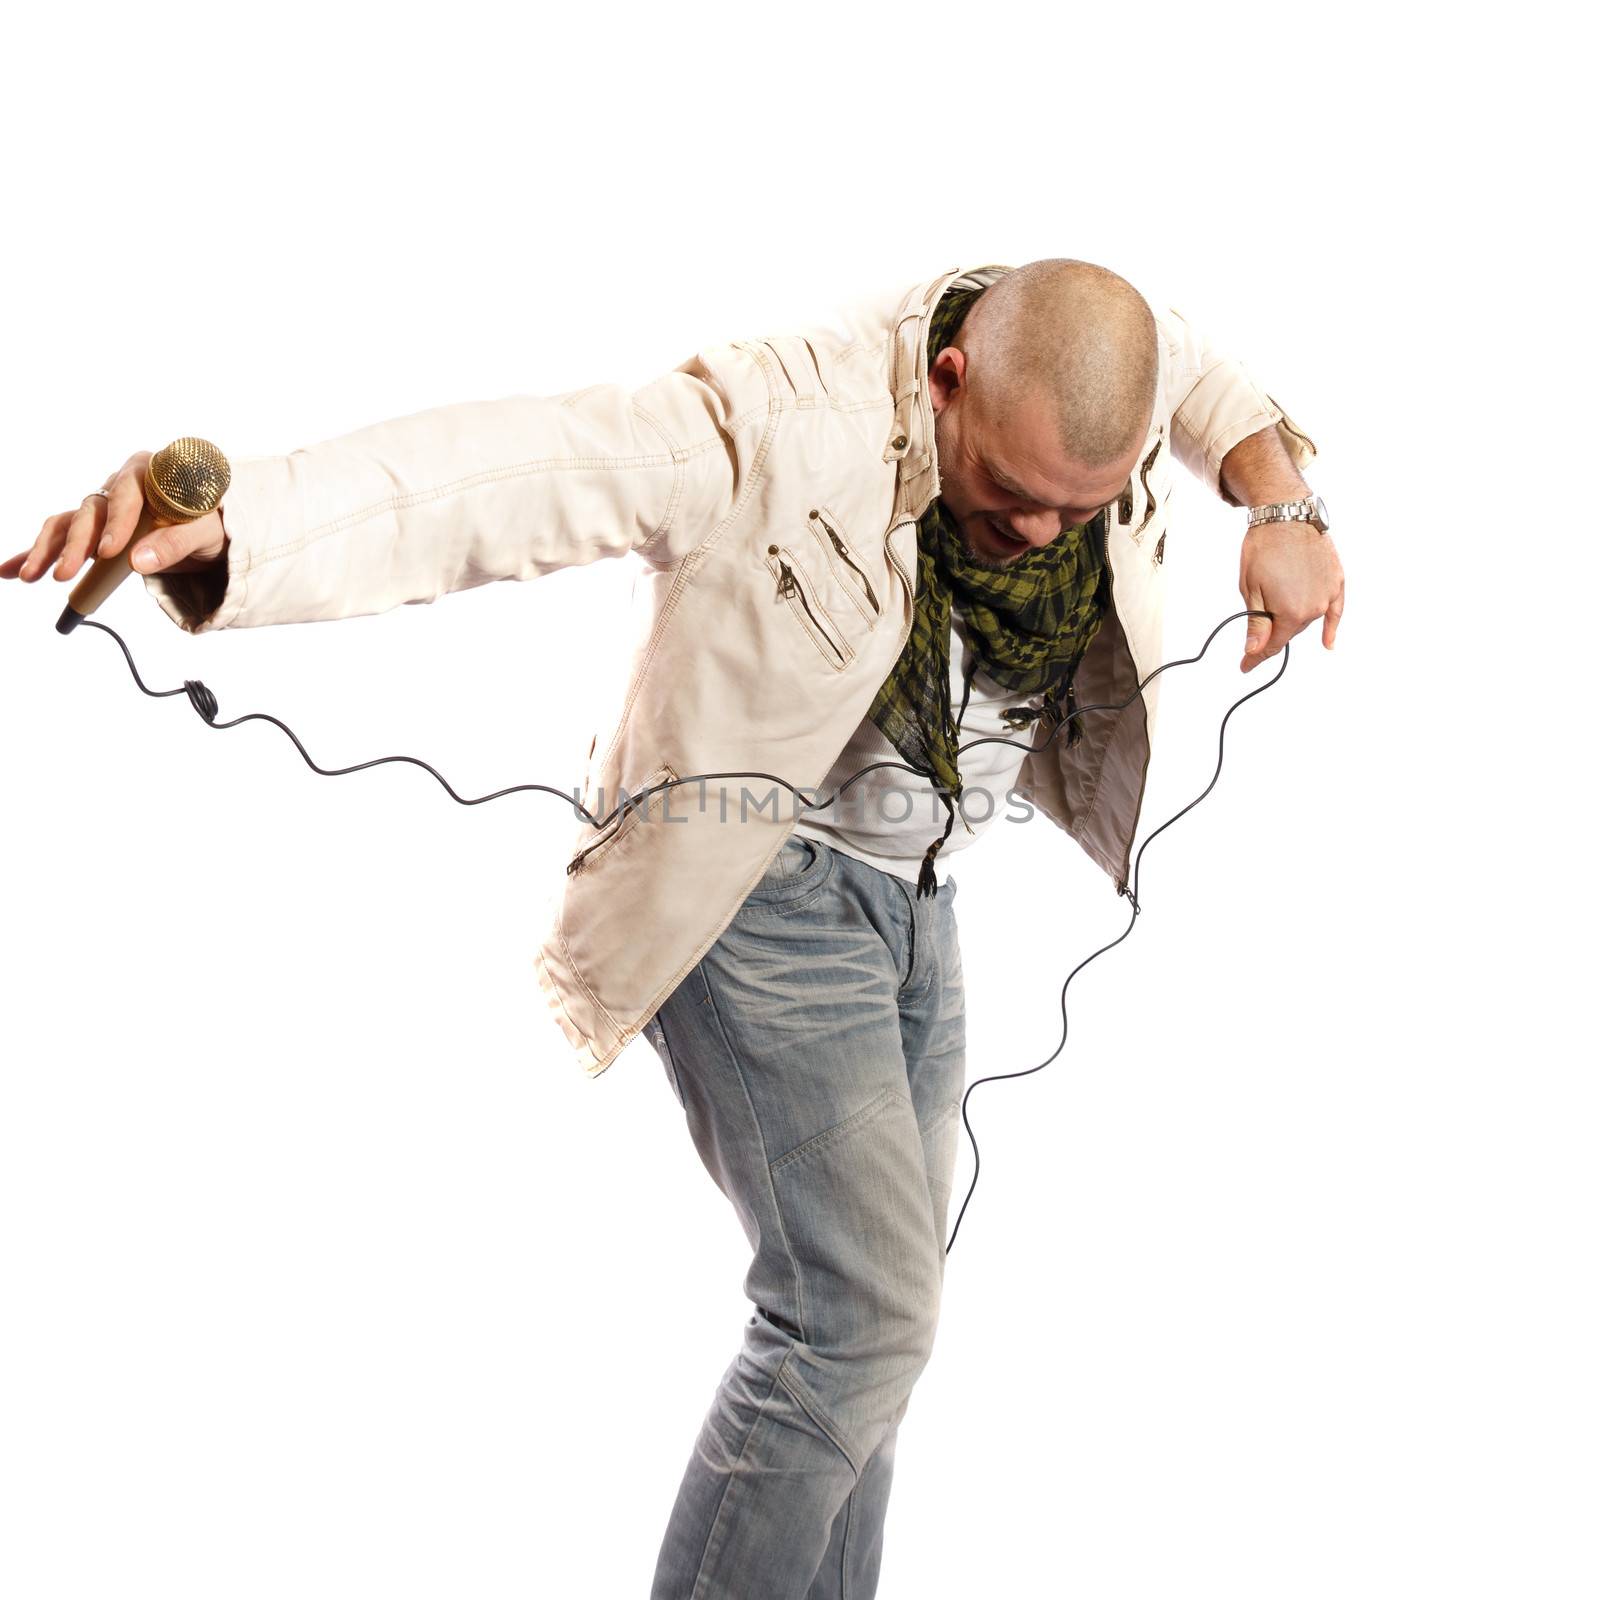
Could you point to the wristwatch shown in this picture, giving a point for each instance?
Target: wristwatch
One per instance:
(1311, 510)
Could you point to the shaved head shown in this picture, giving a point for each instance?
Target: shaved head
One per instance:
(1072, 339)
(1041, 404)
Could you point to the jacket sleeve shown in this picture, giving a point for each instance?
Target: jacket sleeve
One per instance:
(404, 511)
(1214, 403)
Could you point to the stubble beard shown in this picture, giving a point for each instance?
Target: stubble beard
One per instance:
(981, 558)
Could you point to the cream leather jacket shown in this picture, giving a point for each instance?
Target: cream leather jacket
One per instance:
(811, 450)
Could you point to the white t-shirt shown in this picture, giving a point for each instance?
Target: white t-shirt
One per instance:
(891, 816)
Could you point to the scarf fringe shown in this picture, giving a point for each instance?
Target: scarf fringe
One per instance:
(927, 881)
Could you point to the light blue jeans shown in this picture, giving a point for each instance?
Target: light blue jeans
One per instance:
(818, 1052)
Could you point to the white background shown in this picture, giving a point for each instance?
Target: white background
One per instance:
(326, 1272)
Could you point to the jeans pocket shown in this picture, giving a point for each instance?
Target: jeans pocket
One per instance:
(657, 1035)
(800, 868)
(790, 859)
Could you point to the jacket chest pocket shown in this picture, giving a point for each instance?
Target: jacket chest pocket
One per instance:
(826, 587)
(847, 568)
(1146, 493)
(798, 586)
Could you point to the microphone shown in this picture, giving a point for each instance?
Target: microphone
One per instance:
(183, 482)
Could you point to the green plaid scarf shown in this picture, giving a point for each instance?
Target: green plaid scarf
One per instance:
(1029, 625)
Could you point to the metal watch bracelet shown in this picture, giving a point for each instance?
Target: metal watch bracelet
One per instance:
(1311, 509)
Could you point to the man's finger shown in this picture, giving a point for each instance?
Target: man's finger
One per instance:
(1257, 631)
(122, 514)
(45, 546)
(159, 550)
(1330, 622)
(82, 533)
(1284, 630)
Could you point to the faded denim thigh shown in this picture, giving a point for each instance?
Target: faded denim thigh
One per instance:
(818, 1052)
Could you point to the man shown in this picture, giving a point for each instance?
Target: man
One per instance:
(950, 496)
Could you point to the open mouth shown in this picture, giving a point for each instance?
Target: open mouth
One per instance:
(1005, 540)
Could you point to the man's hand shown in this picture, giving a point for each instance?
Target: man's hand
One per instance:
(104, 523)
(1291, 570)
(1287, 568)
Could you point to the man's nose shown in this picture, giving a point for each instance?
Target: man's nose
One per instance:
(1037, 527)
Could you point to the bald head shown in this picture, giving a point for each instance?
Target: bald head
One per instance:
(1071, 338)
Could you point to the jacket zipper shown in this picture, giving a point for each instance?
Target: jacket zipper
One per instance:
(1309, 444)
(628, 814)
(789, 586)
(910, 588)
(1111, 601)
(838, 544)
(1144, 481)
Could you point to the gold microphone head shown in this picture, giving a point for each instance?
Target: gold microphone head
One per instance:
(185, 480)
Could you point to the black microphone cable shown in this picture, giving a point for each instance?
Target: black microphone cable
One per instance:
(205, 704)
(1131, 890)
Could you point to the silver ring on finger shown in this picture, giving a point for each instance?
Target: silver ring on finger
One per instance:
(93, 492)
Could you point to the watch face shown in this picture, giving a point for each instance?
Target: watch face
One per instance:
(1319, 512)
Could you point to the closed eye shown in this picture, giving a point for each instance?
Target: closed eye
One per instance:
(1074, 515)
(1012, 490)
(1071, 515)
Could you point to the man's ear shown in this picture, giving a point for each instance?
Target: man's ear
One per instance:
(945, 376)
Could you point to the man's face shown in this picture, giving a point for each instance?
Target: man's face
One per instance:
(1012, 490)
